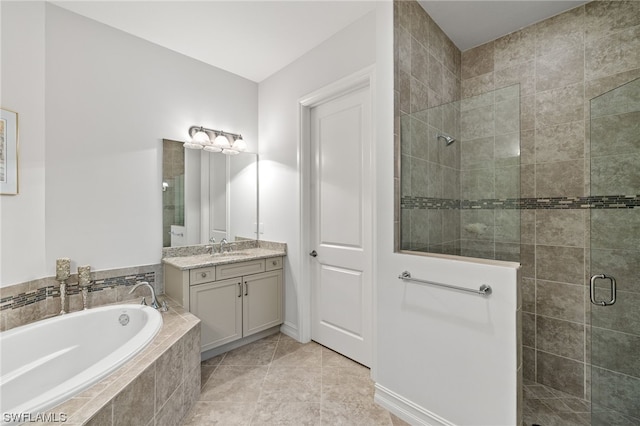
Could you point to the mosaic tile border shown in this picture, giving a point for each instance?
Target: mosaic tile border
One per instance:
(591, 202)
(29, 297)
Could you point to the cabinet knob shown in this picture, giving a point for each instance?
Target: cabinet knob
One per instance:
(274, 263)
(203, 275)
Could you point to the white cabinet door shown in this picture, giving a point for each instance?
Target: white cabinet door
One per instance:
(262, 300)
(341, 225)
(219, 306)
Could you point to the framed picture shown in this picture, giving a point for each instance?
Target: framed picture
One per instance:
(8, 152)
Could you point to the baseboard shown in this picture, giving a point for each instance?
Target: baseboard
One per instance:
(290, 330)
(407, 410)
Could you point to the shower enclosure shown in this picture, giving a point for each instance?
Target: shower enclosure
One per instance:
(460, 178)
(615, 256)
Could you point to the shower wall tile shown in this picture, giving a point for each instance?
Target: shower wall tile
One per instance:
(528, 226)
(560, 179)
(515, 48)
(616, 391)
(419, 96)
(527, 181)
(528, 260)
(420, 134)
(435, 76)
(527, 113)
(478, 60)
(478, 85)
(403, 88)
(560, 373)
(477, 123)
(529, 363)
(559, 70)
(615, 229)
(563, 264)
(560, 105)
(507, 184)
(619, 174)
(562, 338)
(417, 26)
(604, 18)
(560, 228)
(599, 86)
(477, 153)
(622, 264)
(523, 74)
(612, 54)
(616, 134)
(561, 301)
(529, 329)
(560, 143)
(625, 317)
(507, 114)
(611, 348)
(560, 33)
(529, 296)
(419, 62)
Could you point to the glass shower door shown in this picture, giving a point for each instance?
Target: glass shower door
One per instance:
(615, 256)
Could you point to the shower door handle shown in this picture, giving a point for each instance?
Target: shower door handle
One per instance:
(592, 290)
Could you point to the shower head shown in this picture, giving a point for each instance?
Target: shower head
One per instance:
(448, 139)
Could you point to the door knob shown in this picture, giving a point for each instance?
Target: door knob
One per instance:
(313, 253)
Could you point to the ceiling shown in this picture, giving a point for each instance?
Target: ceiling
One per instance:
(254, 39)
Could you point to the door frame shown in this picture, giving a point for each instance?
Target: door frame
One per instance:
(364, 78)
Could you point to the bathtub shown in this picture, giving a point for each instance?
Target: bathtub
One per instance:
(47, 362)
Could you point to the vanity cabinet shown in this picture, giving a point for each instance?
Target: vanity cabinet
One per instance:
(232, 300)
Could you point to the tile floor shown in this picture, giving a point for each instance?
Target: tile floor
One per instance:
(277, 380)
(545, 406)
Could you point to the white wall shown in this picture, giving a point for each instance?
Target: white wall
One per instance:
(442, 357)
(110, 99)
(22, 217)
(350, 50)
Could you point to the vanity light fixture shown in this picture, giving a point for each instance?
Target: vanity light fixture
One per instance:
(215, 141)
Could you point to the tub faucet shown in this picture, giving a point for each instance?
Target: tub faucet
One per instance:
(154, 299)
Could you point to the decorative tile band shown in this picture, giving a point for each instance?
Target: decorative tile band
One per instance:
(591, 202)
(26, 298)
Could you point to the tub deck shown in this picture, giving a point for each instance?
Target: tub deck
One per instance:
(127, 395)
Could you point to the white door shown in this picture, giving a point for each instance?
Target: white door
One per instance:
(341, 225)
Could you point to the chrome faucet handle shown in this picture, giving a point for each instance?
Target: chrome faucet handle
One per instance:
(164, 307)
(144, 301)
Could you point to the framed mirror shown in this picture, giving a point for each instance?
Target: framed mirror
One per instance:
(208, 195)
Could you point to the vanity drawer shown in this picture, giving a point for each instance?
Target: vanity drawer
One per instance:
(202, 275)
(273, 263)
(239, 269)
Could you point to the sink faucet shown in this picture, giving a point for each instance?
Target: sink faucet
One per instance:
(154, 299)
(224, 243)
(211, 248)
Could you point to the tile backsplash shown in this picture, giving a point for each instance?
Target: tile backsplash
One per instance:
(31, 301)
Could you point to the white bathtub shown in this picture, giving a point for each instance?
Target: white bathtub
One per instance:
(47, 362)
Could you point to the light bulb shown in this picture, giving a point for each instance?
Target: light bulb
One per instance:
(200, 137)
(240, 145)
(212, 148)
(230, 151)
(222, 141)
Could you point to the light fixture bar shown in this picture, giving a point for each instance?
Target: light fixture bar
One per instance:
(194, 129)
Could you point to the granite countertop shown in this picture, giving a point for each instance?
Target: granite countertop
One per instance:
(205, 260)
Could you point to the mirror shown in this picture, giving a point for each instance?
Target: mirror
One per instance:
(207, 195)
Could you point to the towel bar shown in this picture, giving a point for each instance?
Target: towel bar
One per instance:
(484, 290)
